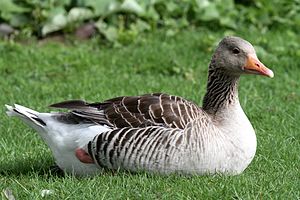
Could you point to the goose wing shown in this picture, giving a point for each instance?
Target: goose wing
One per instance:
(154, 109)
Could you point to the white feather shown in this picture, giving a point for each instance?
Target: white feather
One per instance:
(63, 139)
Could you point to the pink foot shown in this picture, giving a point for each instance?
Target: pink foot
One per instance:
(83, 156)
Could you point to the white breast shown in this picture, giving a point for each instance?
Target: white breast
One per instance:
(239, 137)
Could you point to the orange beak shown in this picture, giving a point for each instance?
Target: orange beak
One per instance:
(254, 66)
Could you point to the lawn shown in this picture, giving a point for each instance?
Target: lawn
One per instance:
(36, 75)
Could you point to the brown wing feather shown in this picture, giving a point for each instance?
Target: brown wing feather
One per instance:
(137, 111)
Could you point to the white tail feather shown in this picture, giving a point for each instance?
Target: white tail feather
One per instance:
(10, 110)
(29, 116)
(24, 109)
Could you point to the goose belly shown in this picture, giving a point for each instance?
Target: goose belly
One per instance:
(215, 155)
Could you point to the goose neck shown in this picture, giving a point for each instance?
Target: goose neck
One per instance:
(222, 91)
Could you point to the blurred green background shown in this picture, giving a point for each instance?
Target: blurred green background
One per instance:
(122, 20)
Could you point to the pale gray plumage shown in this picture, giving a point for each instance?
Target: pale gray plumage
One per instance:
(159, 132)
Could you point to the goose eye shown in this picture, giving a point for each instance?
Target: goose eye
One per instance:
(236, 51)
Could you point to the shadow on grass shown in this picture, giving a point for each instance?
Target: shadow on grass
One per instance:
(47, 169)
(19, 167)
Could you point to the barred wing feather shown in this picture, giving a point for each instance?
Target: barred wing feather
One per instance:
(155, 109)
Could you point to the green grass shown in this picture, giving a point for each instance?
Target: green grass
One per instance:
(37, 75)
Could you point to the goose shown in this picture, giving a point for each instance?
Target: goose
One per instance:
(158, 133)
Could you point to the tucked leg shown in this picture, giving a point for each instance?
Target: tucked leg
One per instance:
(83, 156)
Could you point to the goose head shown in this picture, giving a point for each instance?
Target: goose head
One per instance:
(235, 56)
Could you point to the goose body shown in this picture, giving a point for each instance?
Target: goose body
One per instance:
(158, 132)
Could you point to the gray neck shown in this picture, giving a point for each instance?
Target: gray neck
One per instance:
(222, 90)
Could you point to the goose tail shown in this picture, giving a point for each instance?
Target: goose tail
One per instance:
(27, 115)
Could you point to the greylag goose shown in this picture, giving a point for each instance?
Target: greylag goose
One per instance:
(158, 132)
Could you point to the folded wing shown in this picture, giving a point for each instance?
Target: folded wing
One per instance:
(154, 109)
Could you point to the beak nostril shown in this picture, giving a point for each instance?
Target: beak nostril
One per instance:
(257, 64)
